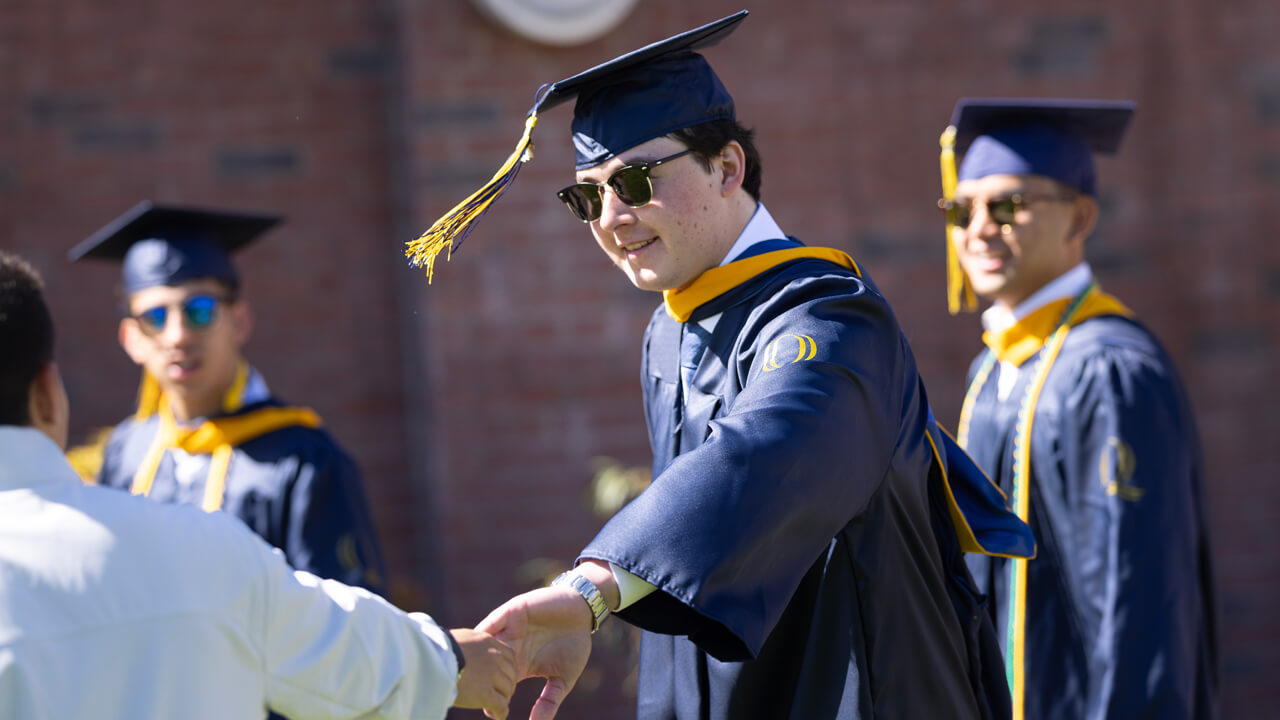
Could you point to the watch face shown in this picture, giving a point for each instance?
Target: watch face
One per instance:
(558, 22)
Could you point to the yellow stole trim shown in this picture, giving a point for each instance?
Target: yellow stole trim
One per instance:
(1016, 632)
(217, 437)
(149, 393)
(1018, 342)
(718, 280)
(968, 539)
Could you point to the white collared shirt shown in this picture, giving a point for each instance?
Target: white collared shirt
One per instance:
(114, 606)
(999, 316)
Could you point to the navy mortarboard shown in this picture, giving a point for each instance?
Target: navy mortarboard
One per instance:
(1053, 138)
(628, 100)
(167, 245)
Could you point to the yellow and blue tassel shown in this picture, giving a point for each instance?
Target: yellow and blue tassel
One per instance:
(960, 293)
(453, 227)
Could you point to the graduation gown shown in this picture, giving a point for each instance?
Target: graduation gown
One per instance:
(797, 527)
(1119, 600)
(293, 486)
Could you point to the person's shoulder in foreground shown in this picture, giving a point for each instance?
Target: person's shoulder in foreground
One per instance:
(116, 607)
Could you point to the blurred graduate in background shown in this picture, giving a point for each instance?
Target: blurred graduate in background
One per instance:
(207, 430)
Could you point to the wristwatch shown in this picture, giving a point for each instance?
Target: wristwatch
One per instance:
(588, 591)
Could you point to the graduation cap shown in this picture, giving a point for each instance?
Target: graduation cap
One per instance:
(167, 245)
(1055, 138)
(631, 99)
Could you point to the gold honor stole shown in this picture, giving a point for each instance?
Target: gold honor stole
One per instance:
(719, 280)
(217, 437)
(1047, 328)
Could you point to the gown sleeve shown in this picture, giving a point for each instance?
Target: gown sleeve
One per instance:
(1135, 469)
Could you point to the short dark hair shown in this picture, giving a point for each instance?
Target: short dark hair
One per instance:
(709, 138)
(26, 336)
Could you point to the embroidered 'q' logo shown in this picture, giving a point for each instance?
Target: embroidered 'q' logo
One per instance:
(780, 350)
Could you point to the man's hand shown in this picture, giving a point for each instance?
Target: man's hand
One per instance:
(550, 631)
(489, 677)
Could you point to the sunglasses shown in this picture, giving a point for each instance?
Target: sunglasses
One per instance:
(198, 313)
(630, 184)
(1002, 211)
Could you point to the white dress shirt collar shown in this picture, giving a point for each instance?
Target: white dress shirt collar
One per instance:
(761, 227)
(1069, 284)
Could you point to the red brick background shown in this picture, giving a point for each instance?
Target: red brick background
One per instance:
(478, 405)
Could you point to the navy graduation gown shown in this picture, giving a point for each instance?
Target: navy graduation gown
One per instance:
(804, 562)
(1120, 611)
(293, 486)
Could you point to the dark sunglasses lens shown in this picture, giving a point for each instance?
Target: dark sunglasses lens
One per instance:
(631, 185)
(962, 214)
(1003, 212)
(200, 311)
(583, 201)
(154, 318)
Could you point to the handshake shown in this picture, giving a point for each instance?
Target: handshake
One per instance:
(543, 633)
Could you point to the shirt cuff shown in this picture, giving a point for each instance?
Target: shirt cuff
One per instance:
(630, 587)
(457, 650)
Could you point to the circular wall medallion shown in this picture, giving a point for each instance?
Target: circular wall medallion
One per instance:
(558, 22)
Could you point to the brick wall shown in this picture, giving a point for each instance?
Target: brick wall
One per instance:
(478, 405)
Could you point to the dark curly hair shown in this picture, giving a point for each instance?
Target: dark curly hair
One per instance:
(26, 336)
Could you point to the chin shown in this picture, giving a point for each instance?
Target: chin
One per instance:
(645, 281)
(987, 287)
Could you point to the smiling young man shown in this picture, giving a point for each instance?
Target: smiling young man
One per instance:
(207, 430)
(1077, 411)
(798, 553)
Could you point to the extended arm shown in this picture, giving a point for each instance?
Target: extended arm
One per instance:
(334, 651)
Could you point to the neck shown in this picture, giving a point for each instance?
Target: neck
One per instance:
(741, 210)
(185, 409)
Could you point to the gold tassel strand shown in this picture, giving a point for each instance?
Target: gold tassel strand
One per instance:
(959, 293)
(454, 226)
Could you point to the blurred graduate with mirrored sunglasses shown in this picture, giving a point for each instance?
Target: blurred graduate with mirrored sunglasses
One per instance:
(207, 430)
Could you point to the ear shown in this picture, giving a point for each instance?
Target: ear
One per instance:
(733, 162)
(242, 321)
(47, 405)
(132, 339)
(1084, 217)
(42, 397)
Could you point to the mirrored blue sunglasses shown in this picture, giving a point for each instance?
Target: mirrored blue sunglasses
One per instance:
(198, 312)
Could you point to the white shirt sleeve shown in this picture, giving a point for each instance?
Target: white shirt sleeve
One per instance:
(335, 651)
(630, 587)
